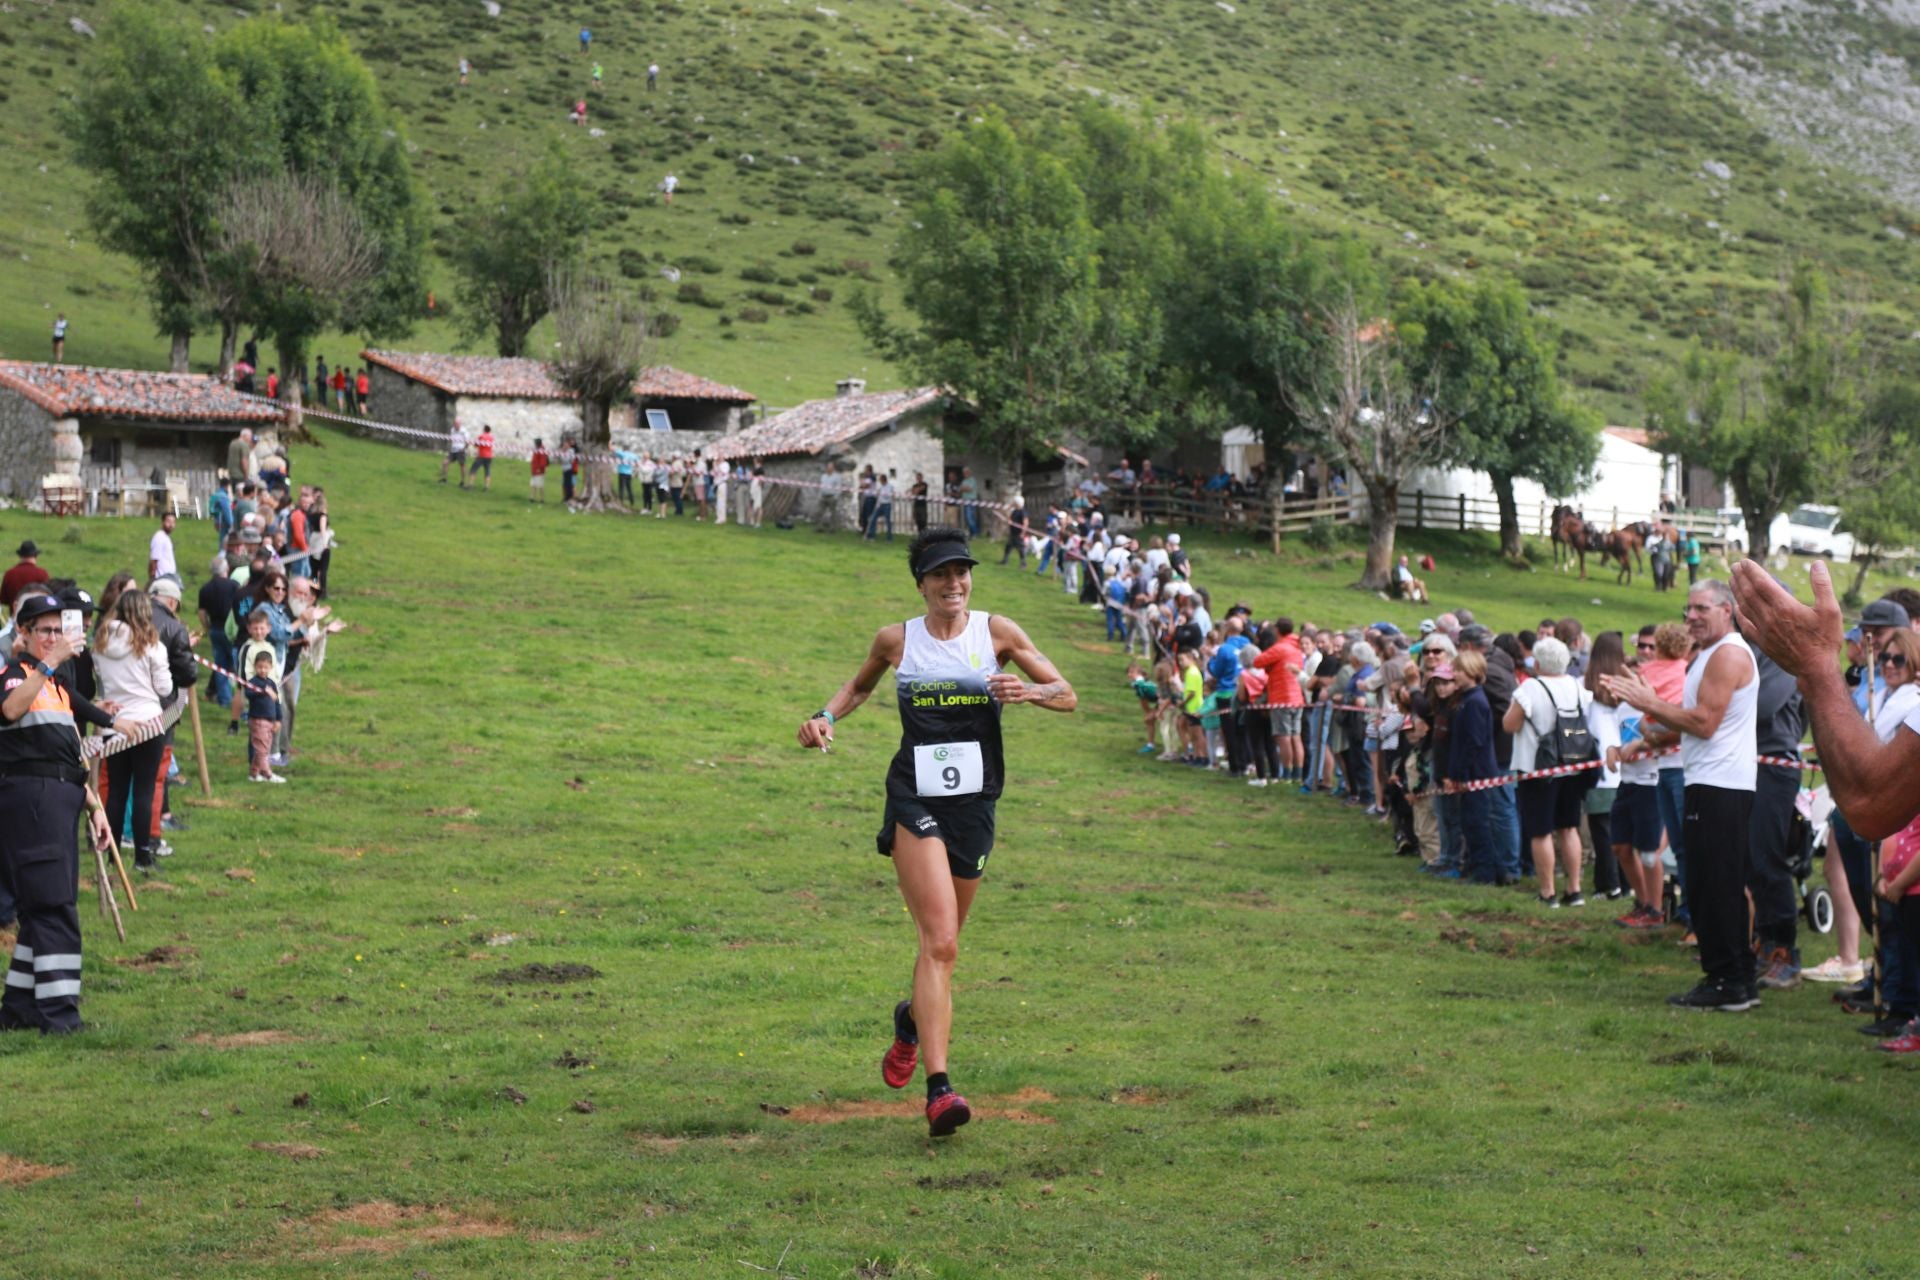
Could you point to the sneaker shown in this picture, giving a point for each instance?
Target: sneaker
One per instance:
(278, 760)
(161, 849)
(1548, 901)
(946, 1113)
(1616, 893)
(1780, 972)
(171, 823)
(1723, 997)
(1834, 969)
(1147, 750)
(1907, 1042)
(896, 1067)
(1690, 939)
(233, 728)
(1256, 782)
(1649, 919)
(1574, 899)
(273, 777)
(1633, 919)
(1893, 1024)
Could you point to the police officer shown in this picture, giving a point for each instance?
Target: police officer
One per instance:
(42, 791)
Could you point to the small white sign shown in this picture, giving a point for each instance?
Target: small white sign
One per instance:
(948, 769)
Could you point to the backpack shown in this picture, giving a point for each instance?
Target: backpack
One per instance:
(1570, 741)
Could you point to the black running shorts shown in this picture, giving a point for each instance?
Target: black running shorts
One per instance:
(965, 827)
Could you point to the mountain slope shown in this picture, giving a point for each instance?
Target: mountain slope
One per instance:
(1640, 167)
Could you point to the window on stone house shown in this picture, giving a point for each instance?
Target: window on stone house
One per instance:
(104, 451)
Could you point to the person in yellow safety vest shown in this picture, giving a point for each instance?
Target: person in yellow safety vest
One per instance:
(42, 792)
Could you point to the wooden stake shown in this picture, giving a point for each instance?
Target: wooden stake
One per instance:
(200, 741)
(107, 904)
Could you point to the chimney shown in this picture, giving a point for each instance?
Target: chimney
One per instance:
(850, 387)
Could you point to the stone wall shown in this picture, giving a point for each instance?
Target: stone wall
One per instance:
(518, 423)
(909, 446)
(26, 446)
(406, 403)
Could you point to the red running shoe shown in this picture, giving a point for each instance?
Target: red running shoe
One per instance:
(1908, 1043)
(946, 1113)
(896, 1068)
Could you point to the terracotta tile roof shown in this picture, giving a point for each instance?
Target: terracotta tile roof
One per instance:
(1632, 435)
(511, 377)
(815, 425)
(76, 391)
(672, 384)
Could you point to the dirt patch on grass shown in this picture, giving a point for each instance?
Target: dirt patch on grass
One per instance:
(15, 1172)
(978, 1180)
(453, 811)
(667, 1144)
(1718, 1055)
(541, 975)
(987, 1109)
(295, 1151)
(244, 1039)
(382, 1227)
(158, 958)
(1138, 1095)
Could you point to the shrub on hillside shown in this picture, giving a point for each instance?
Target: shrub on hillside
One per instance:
(753, 315)
(805, 248)
(759, 275)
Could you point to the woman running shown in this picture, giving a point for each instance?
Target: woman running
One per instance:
(941, 787)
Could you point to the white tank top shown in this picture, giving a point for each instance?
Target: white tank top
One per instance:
(1727, 758)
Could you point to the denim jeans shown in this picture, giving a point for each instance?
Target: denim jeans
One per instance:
(1673, 808)
(219, 688)
(1480, 859)
(1503, 817)
(1116, 623)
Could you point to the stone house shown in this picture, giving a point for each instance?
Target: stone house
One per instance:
(892, 431)
(520, 399)
(114, 427)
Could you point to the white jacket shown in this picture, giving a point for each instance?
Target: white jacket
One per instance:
(139, 682)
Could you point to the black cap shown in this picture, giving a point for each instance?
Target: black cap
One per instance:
(36, 606)
(77, 598)
(1884, 613)
(28, 549)
(941, 553)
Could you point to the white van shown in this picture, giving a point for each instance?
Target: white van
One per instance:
(1814, 530)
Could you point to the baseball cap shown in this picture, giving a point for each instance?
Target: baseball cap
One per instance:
(1427, 626)
(1883, 613)
(1442, 672)
(167, 587)
(37, 606)
(1853, 633)
(1173, 539)
(77, 598)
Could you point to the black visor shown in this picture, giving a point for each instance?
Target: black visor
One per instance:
(941, 553)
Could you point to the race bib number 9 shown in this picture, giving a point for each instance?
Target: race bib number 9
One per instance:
(948, 769)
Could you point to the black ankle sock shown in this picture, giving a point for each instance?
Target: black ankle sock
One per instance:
(937, 1085)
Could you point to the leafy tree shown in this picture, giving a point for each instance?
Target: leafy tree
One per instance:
(1883, 511)
(153, 121)
(1371, 400)
(1776, 423)
(604, 342)
(1247, 314)
(1494, 370)
(311, 101)
(998, 264)
(507, 246)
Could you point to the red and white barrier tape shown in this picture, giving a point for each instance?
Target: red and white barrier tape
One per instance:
(112, 744)
(522, 455)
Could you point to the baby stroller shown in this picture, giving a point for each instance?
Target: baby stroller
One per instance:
(1807, 839)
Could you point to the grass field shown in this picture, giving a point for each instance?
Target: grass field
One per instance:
(1569, 146)
(1213, 1030)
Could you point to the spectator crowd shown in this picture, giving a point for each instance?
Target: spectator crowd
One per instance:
(1662, 772)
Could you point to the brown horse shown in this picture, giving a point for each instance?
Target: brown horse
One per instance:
(1631, 539)
(1622, 545)
(1564, 542)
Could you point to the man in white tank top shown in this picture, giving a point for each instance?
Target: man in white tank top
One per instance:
(1716, 726)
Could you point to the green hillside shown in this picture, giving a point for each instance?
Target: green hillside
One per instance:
(1622, 160)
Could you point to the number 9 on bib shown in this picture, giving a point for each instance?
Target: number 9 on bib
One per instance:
(948, 769)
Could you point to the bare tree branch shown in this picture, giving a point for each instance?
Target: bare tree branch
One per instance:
(605, 340)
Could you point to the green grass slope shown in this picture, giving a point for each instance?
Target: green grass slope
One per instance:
(1577, 148)
(1213, 1030)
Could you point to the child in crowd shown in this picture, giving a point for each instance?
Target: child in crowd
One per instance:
(259, 642)
(263, 717)
(1149, 695)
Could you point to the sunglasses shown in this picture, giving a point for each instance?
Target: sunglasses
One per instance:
(1893, 659)
(1644, 646)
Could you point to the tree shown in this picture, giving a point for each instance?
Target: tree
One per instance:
(316, 108)
(1774, 424)
(153, 121)
(1884, 512)
(604, 342)
(507, 246)
(998, 265)
(1246, 315)
(1374, 406)
(1494, 370)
